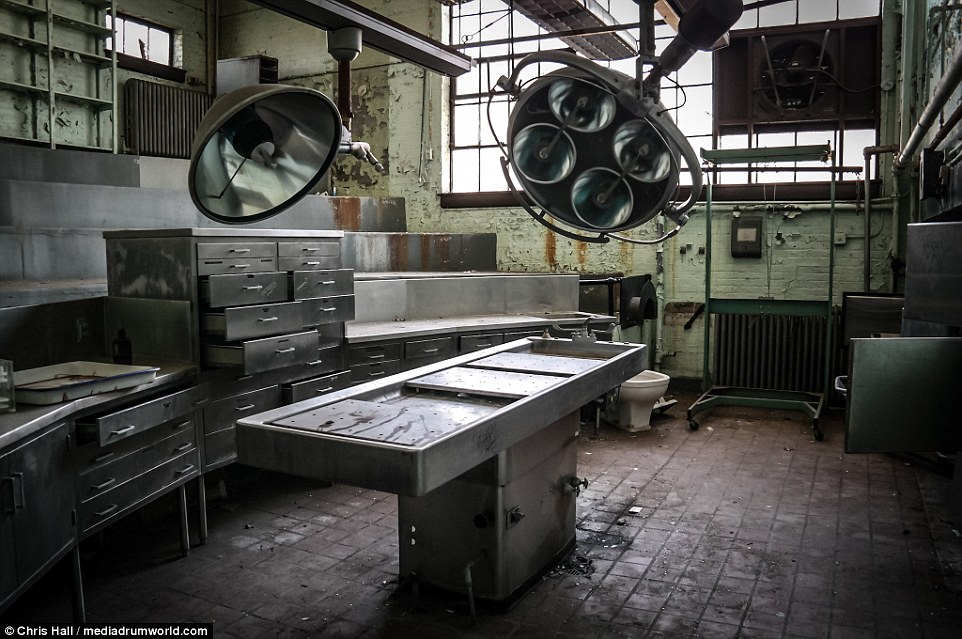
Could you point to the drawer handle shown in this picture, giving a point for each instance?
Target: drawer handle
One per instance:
(110, 481)
(241, 409)
(106, 511)
(329, 310)
(315, 362)
(321, 391)
(9, 510)
(253, 288)
(327, 283)
(267, 319)
(183, 446)
(123, 431)
(381, 356)
(240, 265)
(181, 425)
(428, 351)
(103, 457)
(282, 351)
(239, 250)
(186, 469)
(310, 249)
(312, 263)
(375, 374)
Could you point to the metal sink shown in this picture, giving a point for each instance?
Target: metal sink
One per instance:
(415, 431)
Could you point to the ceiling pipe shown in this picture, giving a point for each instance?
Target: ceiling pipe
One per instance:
(949, 82)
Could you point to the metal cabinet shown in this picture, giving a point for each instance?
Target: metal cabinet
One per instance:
(36, 504)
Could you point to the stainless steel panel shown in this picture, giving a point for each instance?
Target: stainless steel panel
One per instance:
(127, 422)
(169, 335)
(471, 343)
(310, 388)
(327, 310)
(488, 383)
(416, 470)
(307, 284)
(243, 322)
(243, 249)
(534, 363)
(330, 335)
(903, 395)
(309, 249)
(92, 456)
(224, 412)
(374, 353)
(380, 300)
(367, 372)
(533, 293)
(265, 354)
(436, 347)
(218, 291)
(220, 448)
(933, 273)
(237, 265)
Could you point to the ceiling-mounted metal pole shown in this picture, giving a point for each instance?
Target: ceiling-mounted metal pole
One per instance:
(344, 102)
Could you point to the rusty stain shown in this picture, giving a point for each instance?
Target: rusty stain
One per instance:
(582, 253)
(398, 244)
(550, 250)
(347, 213)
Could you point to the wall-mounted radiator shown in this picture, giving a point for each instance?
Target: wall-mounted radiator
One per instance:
(160, 120)
(775, 352)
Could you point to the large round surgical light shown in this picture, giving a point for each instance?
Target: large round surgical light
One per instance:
(261, 148)
(589, 159)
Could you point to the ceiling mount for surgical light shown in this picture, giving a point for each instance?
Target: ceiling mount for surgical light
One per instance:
(594, 149)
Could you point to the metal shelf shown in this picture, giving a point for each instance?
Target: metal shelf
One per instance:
(24, 41)
(80, 25)
(22, 7)
(19, 86)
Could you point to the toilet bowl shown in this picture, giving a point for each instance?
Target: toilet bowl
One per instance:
(637, 398)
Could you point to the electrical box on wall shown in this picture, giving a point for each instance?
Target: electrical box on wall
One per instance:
(746, 237)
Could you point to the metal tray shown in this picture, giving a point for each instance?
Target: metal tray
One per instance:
(72, 380)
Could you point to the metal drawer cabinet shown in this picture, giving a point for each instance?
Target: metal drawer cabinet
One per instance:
(220, 448)
(109, 475)
(367, 372)
(327, 310)
(314, 255)
(471, 343)
(438, 347)
(244, 322)
(97, 512)
(309, 388)
(127, 422)
(268, 353)
(329, 359)
(222, 413)
(236, 265)
(219, 250)
(218, 291)
(307, 284)
(374, 353)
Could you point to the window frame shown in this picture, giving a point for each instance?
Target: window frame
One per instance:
(140, 65)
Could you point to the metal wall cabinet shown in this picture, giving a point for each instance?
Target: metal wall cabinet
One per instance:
(60, 77)
(36, 503)
(264, 319)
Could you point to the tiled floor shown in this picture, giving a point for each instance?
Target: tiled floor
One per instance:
(747, 528)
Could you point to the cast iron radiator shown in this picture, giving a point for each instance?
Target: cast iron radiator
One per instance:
(773, 352)
(161, 119)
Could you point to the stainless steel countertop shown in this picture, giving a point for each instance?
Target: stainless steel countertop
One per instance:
(358, 332)
(31, 418)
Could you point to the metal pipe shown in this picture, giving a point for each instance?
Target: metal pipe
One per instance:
(869, 152)
(469, 584)
(949, 82)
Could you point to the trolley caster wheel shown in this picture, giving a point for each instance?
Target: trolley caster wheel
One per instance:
(819, 436)
(692, 424)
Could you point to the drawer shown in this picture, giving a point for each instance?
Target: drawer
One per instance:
(329, 359)
(309, 263)
(118, 425)
(309, 388)
(309, 248)
(92, 456)
(218, 291)
(471, 343)
(265, 354)
(95, 513)
(305, 284)
(244, 322)
(367, 372)
(374, 353)
(330, 335)
(220, 448)
(236, 265)
(223, 413)
(207, 250)
(109, 476)
(438, 347)
(327, 310)
(510, 337)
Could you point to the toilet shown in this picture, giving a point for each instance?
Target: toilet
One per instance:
(638, 397)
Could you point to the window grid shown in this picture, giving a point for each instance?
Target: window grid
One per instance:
(141, 39)
(686, 93)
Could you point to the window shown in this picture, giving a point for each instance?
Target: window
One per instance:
(497, 37)
(144, 46)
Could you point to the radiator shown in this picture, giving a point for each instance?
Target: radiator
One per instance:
(161, 120)
(773, 352)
